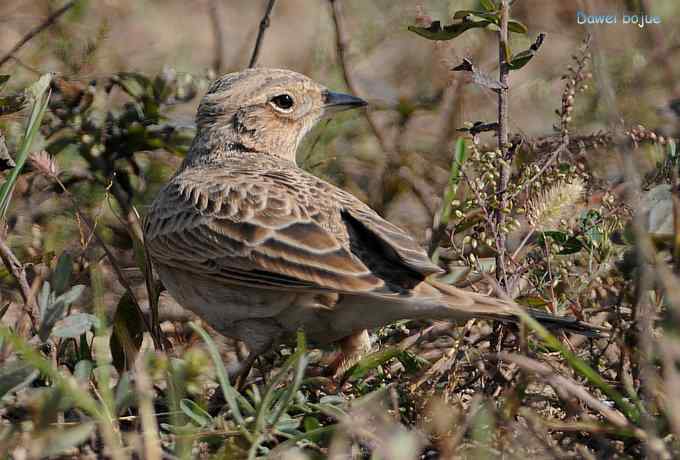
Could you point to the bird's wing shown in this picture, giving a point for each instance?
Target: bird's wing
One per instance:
(280, 229)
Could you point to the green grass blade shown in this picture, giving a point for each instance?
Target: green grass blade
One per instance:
(222, 375)
(41, 97)
(459, 157)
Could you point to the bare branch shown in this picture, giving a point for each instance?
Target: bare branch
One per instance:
(51, 19)
(264, 24)
(506, 153)
(18, 272)
(565, 387)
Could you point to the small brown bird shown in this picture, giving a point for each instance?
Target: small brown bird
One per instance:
(258, 247)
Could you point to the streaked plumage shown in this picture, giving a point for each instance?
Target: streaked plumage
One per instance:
(258, 247)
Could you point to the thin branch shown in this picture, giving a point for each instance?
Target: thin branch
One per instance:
(18, 272)
(92, 228)
(264, 24)
(506, 153)
(565, 387)
(218, 35)
(51, 19)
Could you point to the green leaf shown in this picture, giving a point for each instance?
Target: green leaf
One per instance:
(74, 325)
(62, 273)
(310, 423)
(60, 144)
(41, 99)
(135, 84)
(38, 89)
(271, 408)
(125, 395)
(411, 362)
(229, 392)
(3, 80)
(517, 27)
(488, 5)
(195, 412)
(128, 333)
(521, 59)
(371, 361)
(62, 440)
(83, 370)
(459, 157)
(531, 301)
(80, 397)
(15, 374)
(570, 244)
(51, 309)
(71, 295)
(437, 32)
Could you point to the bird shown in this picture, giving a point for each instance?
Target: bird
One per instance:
(260, 248)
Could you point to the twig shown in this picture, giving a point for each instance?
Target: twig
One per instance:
(218, 35)
(566, 386)
(51, 19)
(264, 24)
(114, 263)
(563, 147)
(506, 153)
(18, 271)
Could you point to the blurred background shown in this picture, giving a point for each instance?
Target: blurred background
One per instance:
(417, 102)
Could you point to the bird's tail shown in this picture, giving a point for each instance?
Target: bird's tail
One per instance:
(433, 300)
(472, 305)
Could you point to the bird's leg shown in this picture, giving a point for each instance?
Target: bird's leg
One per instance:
(352, 349)
(254, 353)
(243, 373)
(261, 363)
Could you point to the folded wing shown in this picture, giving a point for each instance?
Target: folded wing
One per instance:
(282, 230)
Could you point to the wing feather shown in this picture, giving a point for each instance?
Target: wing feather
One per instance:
(261, 234)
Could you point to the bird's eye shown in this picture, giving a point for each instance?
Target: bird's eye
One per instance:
(283, 102)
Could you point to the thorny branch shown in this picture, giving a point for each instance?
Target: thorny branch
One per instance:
(264, 25)
(51, 19)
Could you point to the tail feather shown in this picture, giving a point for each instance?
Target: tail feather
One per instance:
(486, 307)
(432, 300)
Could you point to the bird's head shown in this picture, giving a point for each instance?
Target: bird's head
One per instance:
(267, 110)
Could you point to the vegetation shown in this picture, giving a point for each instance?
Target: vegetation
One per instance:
(577, 214)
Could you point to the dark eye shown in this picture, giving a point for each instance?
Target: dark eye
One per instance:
(283, 101)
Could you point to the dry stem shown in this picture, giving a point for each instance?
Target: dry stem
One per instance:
(264, 24)
(18, 272)
(506, 153)
(51, 19)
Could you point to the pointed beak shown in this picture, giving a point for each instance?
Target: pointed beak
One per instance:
(336, 102)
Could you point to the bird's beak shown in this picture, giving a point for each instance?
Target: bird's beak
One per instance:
(336, 102)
